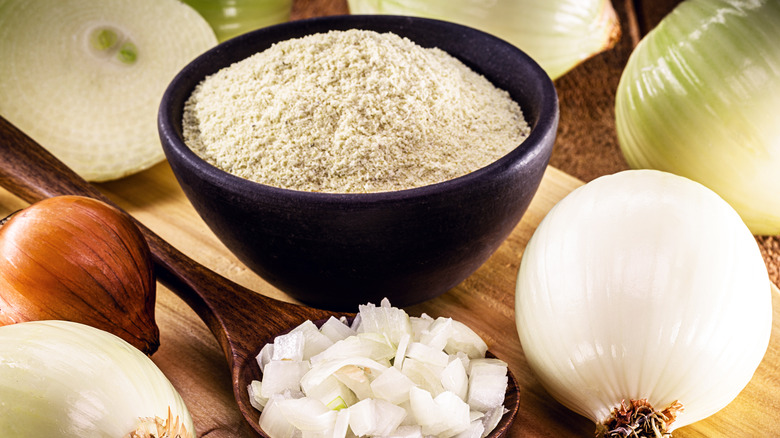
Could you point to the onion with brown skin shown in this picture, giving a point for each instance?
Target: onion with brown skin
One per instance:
(78, 259)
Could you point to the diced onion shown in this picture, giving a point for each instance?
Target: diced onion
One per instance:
(386, 375)
(336, 330)
(375, 417)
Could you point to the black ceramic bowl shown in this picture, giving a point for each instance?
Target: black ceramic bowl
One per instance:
(336, 251)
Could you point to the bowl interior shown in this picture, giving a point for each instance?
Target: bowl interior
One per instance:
(504, 65)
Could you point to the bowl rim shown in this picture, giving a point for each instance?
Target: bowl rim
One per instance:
(173, 143)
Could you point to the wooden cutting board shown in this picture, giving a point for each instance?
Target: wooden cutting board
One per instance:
(485, 301)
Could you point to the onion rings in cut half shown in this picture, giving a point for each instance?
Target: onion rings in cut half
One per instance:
(84, 79)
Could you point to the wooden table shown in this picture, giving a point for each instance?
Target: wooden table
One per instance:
(485, 301)
(586, 147)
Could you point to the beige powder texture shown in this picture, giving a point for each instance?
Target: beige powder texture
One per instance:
(350, 112)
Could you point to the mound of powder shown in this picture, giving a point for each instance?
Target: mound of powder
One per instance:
(350, 112)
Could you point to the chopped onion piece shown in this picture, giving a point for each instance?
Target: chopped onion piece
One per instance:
(406, 431)
(426, 376)
(428, 355)
(322, 370)
(256, 399)
(375, 417)
(356, 379)
(307, 414)
(337, 403)
(464, 359)
(356, 322)
(392, 385)
(314, 342)
(419, 325)
(487, 384)
(458, 337)
(336, 330)
(424, 409)
(492, 418)
(475, 430)
(370, 345)
(487, 365)
(456, 411)
(445, 415)
(400, 352)
(273, 422)
(282, 375)
(455, 379)
(390, 321)
(341, 426)
(265, 355)
(289, 347)
(437, 333)
(386, 374)
(332, 393)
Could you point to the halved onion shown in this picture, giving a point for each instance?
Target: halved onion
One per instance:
(558, 34)
(85, 78)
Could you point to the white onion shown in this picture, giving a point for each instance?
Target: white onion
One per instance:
(699, 97)
(375, 417)
(71, 91)
(388, 375)
(60, 378)
(643, 285)
(558, 34)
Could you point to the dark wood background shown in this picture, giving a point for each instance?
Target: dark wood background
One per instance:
(587, 145)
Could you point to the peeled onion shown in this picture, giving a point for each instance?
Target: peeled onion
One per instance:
(65, 379)
(643, 290)
(558, 34)
(699, 97)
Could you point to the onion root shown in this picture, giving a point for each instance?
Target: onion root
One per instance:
(156, 427)
(639, 420)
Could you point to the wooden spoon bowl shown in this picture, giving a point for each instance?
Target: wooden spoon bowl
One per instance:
(241, 320)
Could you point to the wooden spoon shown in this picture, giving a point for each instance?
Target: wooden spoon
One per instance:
(241, 320)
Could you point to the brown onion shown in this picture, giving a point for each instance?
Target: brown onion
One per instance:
(78, 259)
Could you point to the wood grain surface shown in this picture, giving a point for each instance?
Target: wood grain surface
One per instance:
(193, 361)
(586, 148)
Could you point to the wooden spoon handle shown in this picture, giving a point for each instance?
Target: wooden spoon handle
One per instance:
(32, 173)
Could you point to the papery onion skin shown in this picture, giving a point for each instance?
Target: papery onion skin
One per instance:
(65, 379)
(699, 97)
(558, 34)
(643, 285)
(78, 259)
